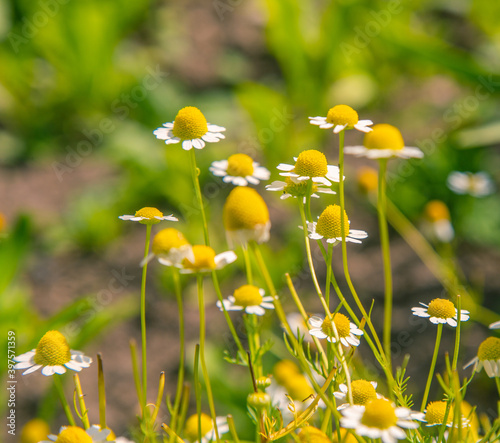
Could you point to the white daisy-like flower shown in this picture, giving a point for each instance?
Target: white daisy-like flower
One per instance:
(148, 216)
(170, 247)
(495, 325)
(249, 298)
(311, 165)
(384, 141)
(205, 260)
(341, 117)
(477, 185)
(77, 434)
(435, 412)
(329, 227)
(289, 188)
(363, 391)
(123, 440)
(441, 310)
(191, 128)
(347, 332)
(299, 326)
(207, 428)
(379, 418)
(488, 356)
(53, 356)
(240, 170)
(438, 221)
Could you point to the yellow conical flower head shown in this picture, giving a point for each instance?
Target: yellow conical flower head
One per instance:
(167, 239)
(244, 209)
(299, 189)
(342, 115)
(379, 413)
(310, 434)
(329, 224)
(3, 222)
(35, 431)
(191, 427)
(311, 163)
(239, 165)
(52, 350)
(298, 388)
(441, 308)
(384, 136)
(204, 258)
(489, 349)
(344, 437)
(150, 214)
(247, 295)
(189, 124)
(435, 412)
(342, 324)
(362, 392)
(368, 179)
(73, 434)
(285, 369)
(436, 210)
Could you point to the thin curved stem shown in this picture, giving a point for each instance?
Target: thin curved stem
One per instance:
(196, 183)
(64, 402)
(433, 365)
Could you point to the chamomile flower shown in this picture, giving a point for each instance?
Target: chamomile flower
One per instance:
(363, 391)
(207, 428)
(310, 165)
(148, 216)
(249, 298)
(435, 412)
(170, 247)
(205, 260)
(53, 356)
(310, 434)
(191, 128)
(240, 170)
(441, 310)
(290, 188)
(77, 434)
(379, 418)
(385, 141)
(488, 356)
(328, 226)
(348, 332)
(341, 117)
(34, 431)
(477, 185)
(367, 179)
(495, 325)
(438, 221)
(245, 216)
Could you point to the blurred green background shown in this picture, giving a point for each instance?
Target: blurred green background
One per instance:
(84, 83)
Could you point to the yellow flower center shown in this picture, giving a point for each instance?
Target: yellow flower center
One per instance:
(247, 295)
(345, 437)
(342, 324)
(379, 413)
(298, 388)
(329, 224)
(342, 115)
(435, 412)
(309, 434)
(3, 222)
(489, 349)
(149, 214)
(311, 163)
(191, 427)
(362, 392)
(35, 431)
(244, 209)
(239, 165)
(189, 124)
(204, 258)
(436, 210)
(441, 308)
(297, 189)
(285, 369)
(52, 350)
(368, 179)
(73, 434)
(167, 239)
(384, 136)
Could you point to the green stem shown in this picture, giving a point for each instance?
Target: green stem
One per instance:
(386, 255)
(328, 274)
(65, 405)
(433, 366)
(102, 392)
(457, 334)
(143, 322)
(248, 265)
(135, 372)
(81, 402)
(201, 303)
(196, 183)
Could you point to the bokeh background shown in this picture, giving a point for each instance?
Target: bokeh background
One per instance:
(84, 83)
